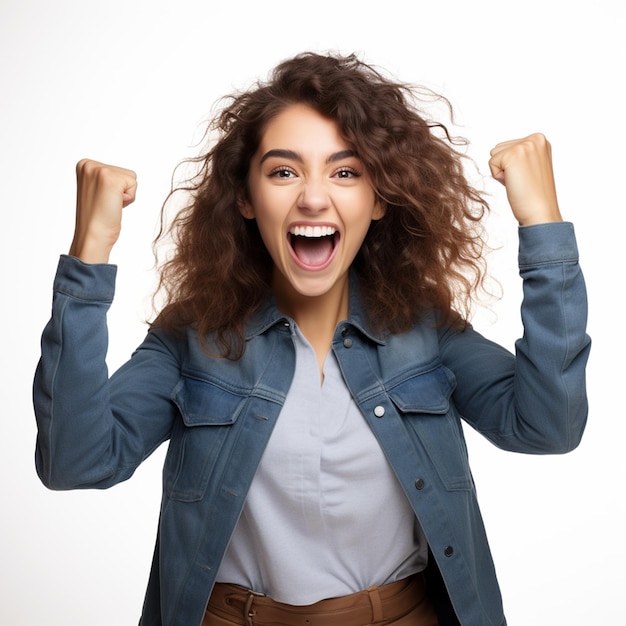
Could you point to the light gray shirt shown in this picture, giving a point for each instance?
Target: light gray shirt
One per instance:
(325, 515)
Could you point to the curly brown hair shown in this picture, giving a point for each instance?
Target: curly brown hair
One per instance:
(425, 253)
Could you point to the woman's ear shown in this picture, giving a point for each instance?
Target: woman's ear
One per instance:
(245, 208)
(380, 208)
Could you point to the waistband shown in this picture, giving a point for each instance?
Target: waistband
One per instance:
(374, 604)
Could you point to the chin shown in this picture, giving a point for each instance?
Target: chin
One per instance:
(321, 287)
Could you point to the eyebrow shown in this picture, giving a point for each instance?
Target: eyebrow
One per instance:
(295, 156)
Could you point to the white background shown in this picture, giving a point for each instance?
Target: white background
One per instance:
(131, 82)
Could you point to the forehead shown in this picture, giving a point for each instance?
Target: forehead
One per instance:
(301, 124)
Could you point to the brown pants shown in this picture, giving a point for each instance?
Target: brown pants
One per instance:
(403, 603)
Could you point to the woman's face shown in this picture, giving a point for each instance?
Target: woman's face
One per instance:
(313, 202)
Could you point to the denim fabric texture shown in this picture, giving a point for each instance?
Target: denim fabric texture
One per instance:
(217, 414)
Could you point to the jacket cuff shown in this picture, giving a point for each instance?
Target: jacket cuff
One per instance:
(85, 281)
(554, 242)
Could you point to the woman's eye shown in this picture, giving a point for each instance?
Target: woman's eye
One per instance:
(347, 172)
(282, 172)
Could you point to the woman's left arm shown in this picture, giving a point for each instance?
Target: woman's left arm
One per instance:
(534, 401)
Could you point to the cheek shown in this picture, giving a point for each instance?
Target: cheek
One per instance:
(271, 231)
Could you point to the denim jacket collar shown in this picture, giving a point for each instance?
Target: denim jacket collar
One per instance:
(268, 316)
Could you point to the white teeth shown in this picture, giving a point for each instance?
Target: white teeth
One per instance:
(312, 231)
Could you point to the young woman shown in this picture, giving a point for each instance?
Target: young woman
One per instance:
(313, 360)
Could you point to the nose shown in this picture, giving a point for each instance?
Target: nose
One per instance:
(314, 196)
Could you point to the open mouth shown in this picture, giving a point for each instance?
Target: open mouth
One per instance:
(313, 246)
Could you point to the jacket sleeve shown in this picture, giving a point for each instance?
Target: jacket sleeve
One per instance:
(93, 431)
(534, 401)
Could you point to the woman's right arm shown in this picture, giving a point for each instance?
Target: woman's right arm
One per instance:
(94, 431)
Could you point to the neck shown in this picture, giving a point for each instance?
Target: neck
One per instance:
(316, 316)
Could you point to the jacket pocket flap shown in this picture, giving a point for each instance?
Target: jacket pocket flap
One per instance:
(203, 403)
(426, 392)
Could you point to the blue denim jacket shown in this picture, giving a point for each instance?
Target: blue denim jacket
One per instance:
(413, 389)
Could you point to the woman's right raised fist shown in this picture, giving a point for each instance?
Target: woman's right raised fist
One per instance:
(102, 192)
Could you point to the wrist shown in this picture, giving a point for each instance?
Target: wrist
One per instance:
(539, 216)
(89, 251)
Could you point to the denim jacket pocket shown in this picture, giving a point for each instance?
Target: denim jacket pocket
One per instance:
(208, 412)
(424, 401)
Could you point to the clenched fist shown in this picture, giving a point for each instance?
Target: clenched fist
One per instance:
(524, 167)
(102, 192)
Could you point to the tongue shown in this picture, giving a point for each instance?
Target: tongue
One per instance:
(313, 250)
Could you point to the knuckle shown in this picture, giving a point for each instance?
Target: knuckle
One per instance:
(82, 165)
(539, 140)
